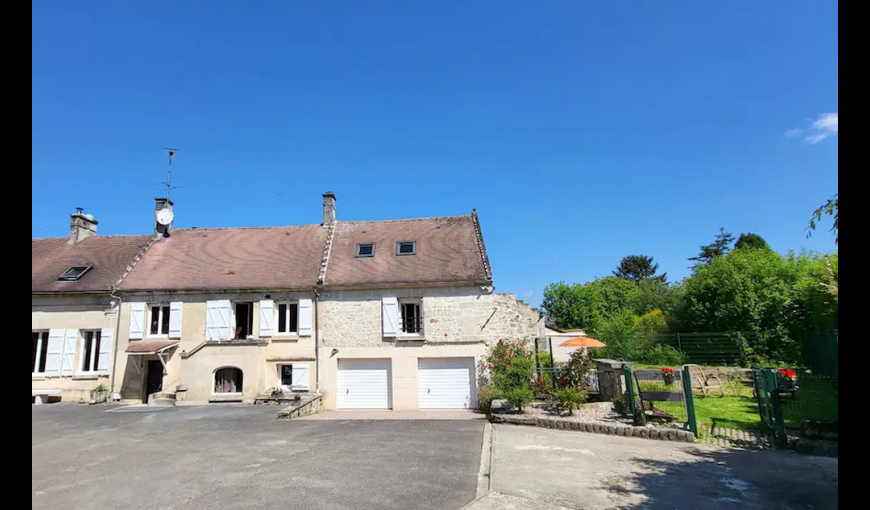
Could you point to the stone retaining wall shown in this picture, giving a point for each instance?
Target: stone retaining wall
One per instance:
(680, 436)
(307, 407)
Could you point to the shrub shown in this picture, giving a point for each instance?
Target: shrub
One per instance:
(487, 395)
(570, 399)
(575, 373)
(542, 387)
(519, 397)
(622, 406)
(664, 355)
(505, 354)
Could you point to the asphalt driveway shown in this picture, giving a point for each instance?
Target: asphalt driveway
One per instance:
(242, 458)
(541, 469)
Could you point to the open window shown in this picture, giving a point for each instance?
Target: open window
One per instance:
(244, 321)
(90, 361)
(74, 273)
(40, 352)
(412, 318)
(288, 318)
(229, 381)
(159, 320)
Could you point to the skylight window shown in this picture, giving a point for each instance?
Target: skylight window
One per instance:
(406, 248)
(74, 274)
(366, 250)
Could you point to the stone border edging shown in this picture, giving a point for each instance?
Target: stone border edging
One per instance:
(673, 435)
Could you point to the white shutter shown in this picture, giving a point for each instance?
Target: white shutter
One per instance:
(301, 376)
(305, 308)
(176, 311)
(107, 342)
(218, 321)
(267, 318)
(137, 321)
(54, 358)
(391, 317)
(68, 364)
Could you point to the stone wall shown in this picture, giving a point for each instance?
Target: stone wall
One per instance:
(452, 315)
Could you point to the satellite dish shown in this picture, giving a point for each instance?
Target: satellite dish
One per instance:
(165, 217)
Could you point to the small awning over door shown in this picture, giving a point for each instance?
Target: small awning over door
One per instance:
(149, 348)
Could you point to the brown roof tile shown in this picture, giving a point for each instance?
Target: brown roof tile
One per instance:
(449, 250)
(109, 256)
(228, 259)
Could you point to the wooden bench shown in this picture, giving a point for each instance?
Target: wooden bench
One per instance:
(40, 397)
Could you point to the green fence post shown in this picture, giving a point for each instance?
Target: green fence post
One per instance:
(779, 420)
(629, 382)
(690, 401)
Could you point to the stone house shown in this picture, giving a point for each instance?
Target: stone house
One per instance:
(374, 315)
(75, 308)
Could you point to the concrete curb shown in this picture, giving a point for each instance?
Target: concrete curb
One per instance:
(673, 435)
(484, 478)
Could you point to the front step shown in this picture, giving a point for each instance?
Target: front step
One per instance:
(162, 400)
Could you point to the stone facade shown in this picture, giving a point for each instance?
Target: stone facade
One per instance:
(453, 315)
(459, 322)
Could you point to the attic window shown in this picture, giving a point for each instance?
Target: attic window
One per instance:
(406, 248)
(366, 250)
(74, 274)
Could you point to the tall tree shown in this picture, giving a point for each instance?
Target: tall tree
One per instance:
(720, 247)
(831, 208)
(751, 242)
(637, 268)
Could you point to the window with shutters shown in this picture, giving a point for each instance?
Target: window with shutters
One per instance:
(90, 361)
(412, 318)
(288, 318)
(244, 321)
(158, 318)
(40, 352)
(229, 381)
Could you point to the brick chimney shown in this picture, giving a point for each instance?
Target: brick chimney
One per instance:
(328, 209)
(82, 226)
(160, 204)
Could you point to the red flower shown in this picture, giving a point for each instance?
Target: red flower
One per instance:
(791, 374)
(668, 371)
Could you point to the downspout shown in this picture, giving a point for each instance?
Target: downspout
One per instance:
(116, 342)
(316, 340)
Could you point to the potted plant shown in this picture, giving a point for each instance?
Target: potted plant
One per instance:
(276, 393)
(100, 394)
(787, 381)
(669, 375)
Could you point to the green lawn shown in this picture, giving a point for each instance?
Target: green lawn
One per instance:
(730, 412)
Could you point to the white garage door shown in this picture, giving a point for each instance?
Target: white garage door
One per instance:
(447, 383)
(365, 384)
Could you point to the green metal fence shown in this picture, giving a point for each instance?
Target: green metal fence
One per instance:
(797, 404)
(661, 395)
(821, 351)
(707, 349)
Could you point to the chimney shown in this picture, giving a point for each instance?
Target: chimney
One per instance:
(82, 226)
(160, 204)
(328, 209)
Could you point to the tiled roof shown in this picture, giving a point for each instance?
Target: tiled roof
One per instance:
(232, 259)
(109, 256)
(150, 347)
(449, 250)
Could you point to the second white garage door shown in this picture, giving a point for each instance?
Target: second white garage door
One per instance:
(447, 383)
(365, 384)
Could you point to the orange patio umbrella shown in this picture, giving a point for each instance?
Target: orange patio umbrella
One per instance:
(589, 343)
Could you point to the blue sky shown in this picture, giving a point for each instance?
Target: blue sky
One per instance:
(582, 131)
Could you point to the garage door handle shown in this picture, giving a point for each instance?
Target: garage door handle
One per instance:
(430, 392)
(348, 392)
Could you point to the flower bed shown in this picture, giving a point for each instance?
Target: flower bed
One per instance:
(590, 418)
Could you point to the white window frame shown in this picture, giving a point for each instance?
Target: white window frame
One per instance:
(277, 325)
(419, 304)
(359, 253)
(164, 308)
(41, 349)
(95, 352)
(399, 248)
(214, 382)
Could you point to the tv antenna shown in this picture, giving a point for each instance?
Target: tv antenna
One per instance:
(168, 183)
